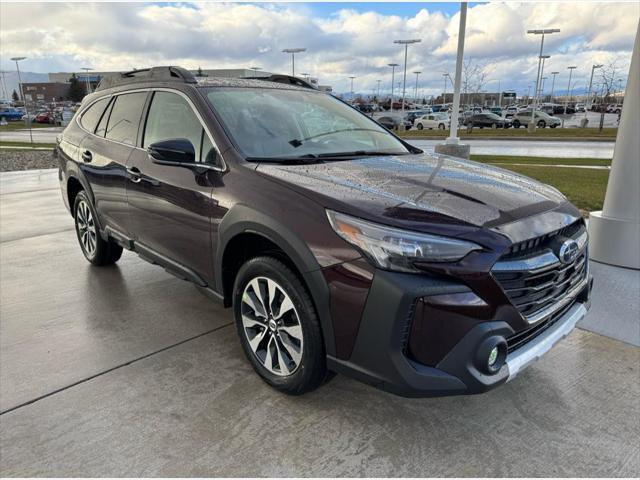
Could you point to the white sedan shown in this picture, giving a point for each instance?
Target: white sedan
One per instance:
(431, 121)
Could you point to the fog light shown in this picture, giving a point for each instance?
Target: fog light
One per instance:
(493, 356)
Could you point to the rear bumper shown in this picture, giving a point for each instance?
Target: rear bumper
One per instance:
(380, 358)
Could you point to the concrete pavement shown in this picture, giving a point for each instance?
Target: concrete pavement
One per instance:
(127, 371)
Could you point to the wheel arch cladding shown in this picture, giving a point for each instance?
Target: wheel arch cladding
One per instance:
(242, 224)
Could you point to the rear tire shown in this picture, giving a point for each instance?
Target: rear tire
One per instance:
(96, 250)
(419, 126)
(285, 348)
(516, 124)
(542, 124)
(441, 126)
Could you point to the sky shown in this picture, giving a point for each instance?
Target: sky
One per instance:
(342, 39)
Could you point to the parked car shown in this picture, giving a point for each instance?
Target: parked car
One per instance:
(365, 107)
(432, 121)
(569, 110)
(10, 114)
(45, 117)
(510, 111)
(345, 250)
(496, 110)
(28, 117)
(542, 119)
(580, 107)
(394, 122)
(614, 108)
(413, 114)
(487, 119)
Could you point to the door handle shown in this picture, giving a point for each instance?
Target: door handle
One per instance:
(135, 174)
(87, 156)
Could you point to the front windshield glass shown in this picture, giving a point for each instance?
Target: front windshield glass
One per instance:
(269, 123)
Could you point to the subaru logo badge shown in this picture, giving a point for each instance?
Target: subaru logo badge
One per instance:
(568, 251)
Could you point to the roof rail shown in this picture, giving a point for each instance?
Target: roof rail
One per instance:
(286, 79)
(161, 74)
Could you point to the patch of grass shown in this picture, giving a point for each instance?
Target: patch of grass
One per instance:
(509, 159)
(25, 145)
(11, 126)
(541, 133)
(585, 188)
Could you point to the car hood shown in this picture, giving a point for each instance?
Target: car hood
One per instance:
(420, 188)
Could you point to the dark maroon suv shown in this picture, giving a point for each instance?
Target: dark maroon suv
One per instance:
(340, 247)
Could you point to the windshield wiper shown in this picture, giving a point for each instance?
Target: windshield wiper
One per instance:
(358, 153)
(301, 160)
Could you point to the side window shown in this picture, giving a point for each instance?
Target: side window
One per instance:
(170, 116)
(125, 118)
(209, 152)
(102, 126)
(91, 116)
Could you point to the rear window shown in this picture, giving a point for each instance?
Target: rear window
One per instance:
(125, 118)
(91, 116)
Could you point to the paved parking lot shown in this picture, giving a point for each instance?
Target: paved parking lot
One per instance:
(127, 371)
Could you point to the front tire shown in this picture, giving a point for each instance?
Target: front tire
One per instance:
(278, 326)
(516, 124)
(441, 126)
(419, 126)
(96, 250)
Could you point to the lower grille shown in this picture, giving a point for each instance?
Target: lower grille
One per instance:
(519, 339)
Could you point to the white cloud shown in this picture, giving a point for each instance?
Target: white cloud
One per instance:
(121, 36)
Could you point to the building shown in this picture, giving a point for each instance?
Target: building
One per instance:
(45, 91)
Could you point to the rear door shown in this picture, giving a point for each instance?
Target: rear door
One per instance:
(171, 206)
(104, 155)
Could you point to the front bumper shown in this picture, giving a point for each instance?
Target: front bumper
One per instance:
(380, 358)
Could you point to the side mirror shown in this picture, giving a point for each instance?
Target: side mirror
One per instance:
(175, 150)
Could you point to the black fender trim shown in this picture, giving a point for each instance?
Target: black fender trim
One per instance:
(243, 219)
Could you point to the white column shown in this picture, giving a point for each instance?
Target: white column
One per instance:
(615, 231)
(453, 132)
(452, 145)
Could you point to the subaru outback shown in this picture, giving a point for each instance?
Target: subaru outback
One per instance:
(339, 246)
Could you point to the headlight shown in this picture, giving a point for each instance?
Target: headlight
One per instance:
(395, 249)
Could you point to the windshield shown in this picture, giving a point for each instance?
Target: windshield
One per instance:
(273, 124)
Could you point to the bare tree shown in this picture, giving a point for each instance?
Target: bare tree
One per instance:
(608, 76)
(474, 78)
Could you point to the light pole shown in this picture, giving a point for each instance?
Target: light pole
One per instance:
(393, 71)
(543, 32)
(86, 78)
(444, 94)
(406, 44)
(542, 87)
(566, 104)
(415, 97)
(544, 58)
(352, 87)
(553, 83)
(24, 100)
(378, 94)
(587, 105)
(293, 52)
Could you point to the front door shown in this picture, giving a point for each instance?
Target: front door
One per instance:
(172, 206)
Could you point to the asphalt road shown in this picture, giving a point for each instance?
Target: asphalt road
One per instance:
(128, 371)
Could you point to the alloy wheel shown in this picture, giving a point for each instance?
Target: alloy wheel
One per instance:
(86, 229)
(272, 326)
